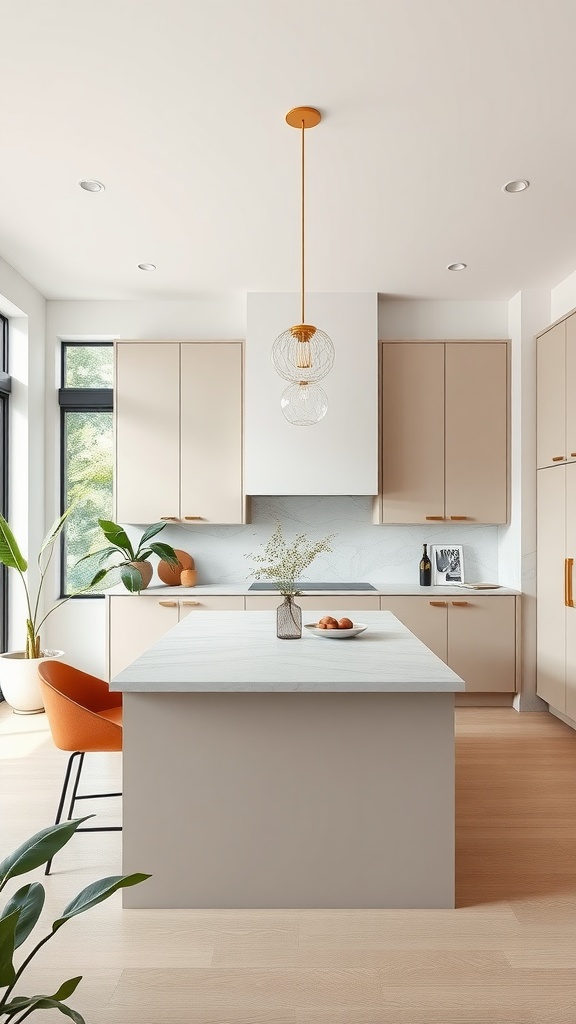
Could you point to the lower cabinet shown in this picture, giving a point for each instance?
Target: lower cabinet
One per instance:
(475, 636)
(135, 623)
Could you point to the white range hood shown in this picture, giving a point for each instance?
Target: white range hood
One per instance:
(338, 455)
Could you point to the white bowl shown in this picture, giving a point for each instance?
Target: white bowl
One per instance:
(335, 634)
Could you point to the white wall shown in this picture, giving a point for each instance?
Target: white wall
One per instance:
(528, 311)
(562, 300)
(26, 308)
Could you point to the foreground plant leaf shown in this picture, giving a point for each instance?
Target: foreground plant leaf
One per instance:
(38, 849)
(96, 893)
(28, 901)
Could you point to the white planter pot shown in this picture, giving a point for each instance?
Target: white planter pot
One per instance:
(20, 683)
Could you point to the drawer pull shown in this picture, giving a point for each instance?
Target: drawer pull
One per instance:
(170, 519)
(559, 458)
(191, 604)
(573, 455)
(440, 518)
(460, 604)
(168, 604)
(439, 604)
(193, 517)
(459, 517)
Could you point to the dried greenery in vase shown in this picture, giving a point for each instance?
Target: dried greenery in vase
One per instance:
(283, 563)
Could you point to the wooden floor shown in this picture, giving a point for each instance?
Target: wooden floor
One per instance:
(507, 954)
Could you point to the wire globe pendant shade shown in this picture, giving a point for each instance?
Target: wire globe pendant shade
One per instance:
(303, 354)
(304, 404)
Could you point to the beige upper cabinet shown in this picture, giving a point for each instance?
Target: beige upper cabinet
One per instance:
(444, 432)
(412, 432)
(178, 416)
(551, 394)
(476, 432)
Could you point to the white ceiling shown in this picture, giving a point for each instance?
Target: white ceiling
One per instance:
(178, 106)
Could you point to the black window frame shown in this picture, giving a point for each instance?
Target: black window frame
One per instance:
(5, 389)
(77, 400)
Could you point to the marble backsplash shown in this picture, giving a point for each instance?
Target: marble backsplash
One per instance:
(361, 550)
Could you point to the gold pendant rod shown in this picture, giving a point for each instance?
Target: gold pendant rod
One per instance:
(302, 228)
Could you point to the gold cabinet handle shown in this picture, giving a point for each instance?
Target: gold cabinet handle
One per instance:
(459, 517)
(170, 519)
(573, 455)
(438, 604)
(441, 518)
(559, 458)
(193, 517)
(191, 604)
(460, 604)
(568, 570)
(168, 604)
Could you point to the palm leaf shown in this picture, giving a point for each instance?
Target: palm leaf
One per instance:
(116, 535)
(10, 553)
(151, 532)
(95, 893)
(8, 927)
(53, 532)
(41, 1003)
(165, 552)
(39, 849)
(28, 901)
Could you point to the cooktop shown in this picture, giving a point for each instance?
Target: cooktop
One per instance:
(305, 585)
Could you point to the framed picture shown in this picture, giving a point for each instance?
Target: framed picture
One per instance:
(447, 564)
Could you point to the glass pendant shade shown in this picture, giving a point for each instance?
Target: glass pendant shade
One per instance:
(304, 404)
(303, 354)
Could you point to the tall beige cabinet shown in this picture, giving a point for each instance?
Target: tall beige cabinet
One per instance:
(444, 432)
(556, 517)
(178, 422)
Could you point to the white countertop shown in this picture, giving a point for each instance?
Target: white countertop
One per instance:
(242, 590)
(239, 652)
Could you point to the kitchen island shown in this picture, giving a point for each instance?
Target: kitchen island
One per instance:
(266, 773)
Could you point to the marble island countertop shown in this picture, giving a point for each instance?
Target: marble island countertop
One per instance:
(239, 652)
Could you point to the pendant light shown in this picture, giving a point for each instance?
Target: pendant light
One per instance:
(303, 354)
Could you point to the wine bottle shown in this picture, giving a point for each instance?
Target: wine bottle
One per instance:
(425, 569)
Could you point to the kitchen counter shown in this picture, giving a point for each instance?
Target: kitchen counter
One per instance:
(242, 589)
(288, 774)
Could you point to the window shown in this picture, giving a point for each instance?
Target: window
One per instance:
(86, 402)
(5, 387)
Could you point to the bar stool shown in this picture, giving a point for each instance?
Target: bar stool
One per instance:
(84, 717)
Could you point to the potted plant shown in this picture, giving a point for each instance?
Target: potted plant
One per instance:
(19, 669)
(23, 910)
(284, 564)
(135, 569)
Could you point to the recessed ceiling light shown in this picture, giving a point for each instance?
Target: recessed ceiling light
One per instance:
(90, 185)
(146, 266)
(516, 186)
(456, 266)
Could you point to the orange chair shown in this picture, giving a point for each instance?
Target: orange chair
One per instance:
(84, 716)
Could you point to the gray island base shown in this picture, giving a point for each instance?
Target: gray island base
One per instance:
(261, 773)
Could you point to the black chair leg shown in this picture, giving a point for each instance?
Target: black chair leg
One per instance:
(77, 753)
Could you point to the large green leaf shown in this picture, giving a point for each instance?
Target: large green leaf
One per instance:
(67, 988)
(10, 553)
(28, 901)
(116, 535)
(39, 849)
(95, 893)
(8, 927)
(41, 1003)
(99, 555)
(131, 578)
(53, 531)
(165, 552)
(151, 532)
